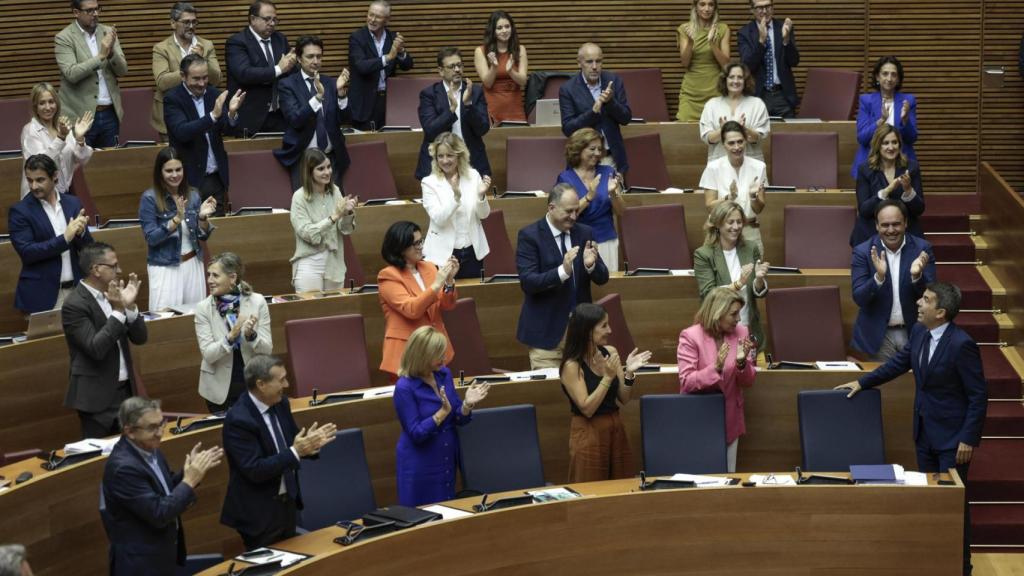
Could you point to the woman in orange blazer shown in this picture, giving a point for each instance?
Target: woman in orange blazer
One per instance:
(413, 292)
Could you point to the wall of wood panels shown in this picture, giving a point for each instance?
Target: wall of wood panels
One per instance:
(943, 45)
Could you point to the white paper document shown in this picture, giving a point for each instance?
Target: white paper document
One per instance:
(286, 558)
(773, 479)
(702, 480)
(446, 512)
(91, 445)
(841, 366)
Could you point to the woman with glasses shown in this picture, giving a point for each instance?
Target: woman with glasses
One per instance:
(50, 133)
(703, 50)
(502, 67)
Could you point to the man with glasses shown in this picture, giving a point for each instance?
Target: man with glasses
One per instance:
(167, 57)
(596, 99)
(768, 48)
(257, 58)
(142, 499)
(454, 105)
(100, 319)
(374, 54)
(90, 60)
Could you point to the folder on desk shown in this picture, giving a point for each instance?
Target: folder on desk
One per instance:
(876, 473)
(402, 516)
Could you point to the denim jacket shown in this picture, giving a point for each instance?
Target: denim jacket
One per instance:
(164, 246)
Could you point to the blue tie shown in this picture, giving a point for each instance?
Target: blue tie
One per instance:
(769, 60)
(289, 475)
(926, 347)
(155, 465)
(321, 124)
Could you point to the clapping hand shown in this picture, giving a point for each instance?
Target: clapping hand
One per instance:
(475, 393)
(904, 111)
(492, 58)
(197, 49)
(318, 86)
(606, 96)
(83, 124)
(453, 270)
(397, 47)
(636, 360)
(745, 346)
(903, 181)
(467, 91)
(180, 203)
(453, 100)
(198, 463)
(218, 105)
(881, 264)
(236, 330)
(885, 114)
(762, 28)
(917, 266)
(590, 254)
(249, 328)
(63, 127)
(567, 260)
(734, 191)
(508, 64)
(76, 226)
(236, 103)
(130, 291)
(787, 27)
(723, 353)
(208, 207)
(107, 44)
(342, 84)
(485, 185)
(712, 34)
(287, 61)
(609, 366)
(760, 269)
(745, 272)
(309, 441)
(346, 205)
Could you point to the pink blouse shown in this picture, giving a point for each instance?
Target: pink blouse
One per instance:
(697, 354)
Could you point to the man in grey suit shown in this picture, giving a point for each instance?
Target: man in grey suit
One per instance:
(90, 60)
(100, 319)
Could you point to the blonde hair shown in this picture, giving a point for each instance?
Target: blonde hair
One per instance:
(714, 307)
(37, 92)
(717, 217)
(695, 20)
(425, 345)
(456, 146)
(578, 142)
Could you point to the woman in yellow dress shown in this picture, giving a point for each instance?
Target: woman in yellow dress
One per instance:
(703, 51)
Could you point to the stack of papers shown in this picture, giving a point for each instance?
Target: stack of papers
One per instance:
(702, 480)
(283, 556)
(91, 445)
(773, 479)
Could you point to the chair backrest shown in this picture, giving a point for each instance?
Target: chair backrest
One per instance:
(138, 109)
(647, 161)
(818, 236)
(806, 324)
(534, 163)
(683, 433)
(836, 431)
(805, 159)
(646, 95)
(467, 339)
(257, 180)
(403, 99)
(620, 337)
(370, 176)
(337, 483)
(328, 354)
(500, 450)
(502, 257)
(14, 113)
(353, 267)
(830, 94)
(655, 237)
(80, 188)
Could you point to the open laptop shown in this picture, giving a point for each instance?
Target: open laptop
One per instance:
(548, 113)
(43, 324)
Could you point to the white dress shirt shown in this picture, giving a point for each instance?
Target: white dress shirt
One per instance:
(893, 259)
(275, 432)
(457, 127)
(720, 174)
(200, 104)
(382, 79)
(317, 105)
(103, 94)
(55, 213)
(936, 336)
(128, 316)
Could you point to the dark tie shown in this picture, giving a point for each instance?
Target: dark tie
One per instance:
(321, 125)
(268, 53)
(563, 246)
(289, 475)
(769, 60)
(926, 346)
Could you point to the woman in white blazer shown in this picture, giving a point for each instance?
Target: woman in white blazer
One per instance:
(455, 197)
(232, 325)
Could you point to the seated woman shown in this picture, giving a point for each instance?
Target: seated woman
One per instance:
(727, 260)
(703, 50)
(502, 67)
(429, 409)
(413, 292)
(232, 326)
(887, 106)
(597, 384)
(736, 178)
(455, 198)
(600, 189)
(52, 134)
(174, 222)
(887, 174)
(320, 215)
(716, 355)
(737, 102)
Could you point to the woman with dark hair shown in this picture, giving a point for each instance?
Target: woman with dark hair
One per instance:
(232, 326)
(597, 383)
(54, 135)
(736, 178)
(736, 102)
(502, 67)
(887, 106)
(413, 292)
(888, 173)
(173, 223)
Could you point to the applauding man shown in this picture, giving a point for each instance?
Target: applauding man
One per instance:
(768, 47)
(258, 57)
(596, 99)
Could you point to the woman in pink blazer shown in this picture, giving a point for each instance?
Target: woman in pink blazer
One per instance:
(716, 354)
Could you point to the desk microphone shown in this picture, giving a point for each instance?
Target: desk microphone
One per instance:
(482, 274)
(313, 401)
(351, 286)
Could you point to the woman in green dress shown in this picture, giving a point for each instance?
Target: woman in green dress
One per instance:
(703, 51)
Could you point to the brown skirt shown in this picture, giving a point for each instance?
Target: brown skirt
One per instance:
(599, 449)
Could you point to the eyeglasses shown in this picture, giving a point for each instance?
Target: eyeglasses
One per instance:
(454, 66)
(270, 19)
(150, 429)
(89, 11)
(114, 266)
(189, 23)
(762, 8)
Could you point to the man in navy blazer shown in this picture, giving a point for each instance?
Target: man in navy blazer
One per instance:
(314, 106)
(768, 47)
(596, 99)
(142, 500)
(889, 272)
(453, 105)
(257, 58)
(556, 258)
(47, 230)
(264, 445)
(374, 54)
(194, 116)
(951, 394)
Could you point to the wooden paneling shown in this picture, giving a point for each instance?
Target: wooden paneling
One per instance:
(1003, 211)
(1002, 108)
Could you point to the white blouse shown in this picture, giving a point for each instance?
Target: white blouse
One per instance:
(756, 119)
(68, 155)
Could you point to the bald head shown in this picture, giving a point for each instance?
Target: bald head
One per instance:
(590, 59)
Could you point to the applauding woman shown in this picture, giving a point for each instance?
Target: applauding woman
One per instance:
(429, 409)
(716, 355)
(502, 67)
(887, 106)
(737, 102)
(703, 51)
(736, 178)
(413, 292)
(173, 222)
(320, 215)
(54, 135)
(888, 173)
(597, 384)
(232, 326)
(455, 197)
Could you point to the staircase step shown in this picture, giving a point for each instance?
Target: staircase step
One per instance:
(945, 222)
(982, 326)
(997, 525)
(997, 471)
(952, 248)
(976, 293)
(1004, 419)
(944, 204)
(1003, 381)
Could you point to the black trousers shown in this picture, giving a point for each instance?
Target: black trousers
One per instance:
(379, 114)
(282, 527)
(931, 460)
(212, 185)
(777, 104)
(104, 423)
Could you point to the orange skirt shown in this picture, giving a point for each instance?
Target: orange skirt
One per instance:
(599, 449)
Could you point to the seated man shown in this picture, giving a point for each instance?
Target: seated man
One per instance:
(454, 105)
(47, 230)
(596, 99)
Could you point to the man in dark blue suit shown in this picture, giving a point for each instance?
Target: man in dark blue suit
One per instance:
(374, 54)
(889, 272)
(47, 230)
(556, 259)
(257, 58)
(264, 446)
(194, 116)
(596, 99)
(314, 106)
(951, 398)
(454, 105)
(768, 47)
(142, 499)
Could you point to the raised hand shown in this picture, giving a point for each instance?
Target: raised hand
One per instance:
(130, 291)
(904, 111)
(637, 359)
(917, 266)
(342, 83)
(881, 264)
(567, 260)
(83, 124)
(236, 103)
(485, 185)
(612, 365)
(590, 254)
(760, 270)
(287, 61)
(236, 330)
(745, 272)
(467, 92)
(476, 392)
(319, 87)
(492, 59)
(218, 105)
(787, 27)
(723, 353)
(734, 191)
(63, 127)
(198, 463)
(208, 207)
